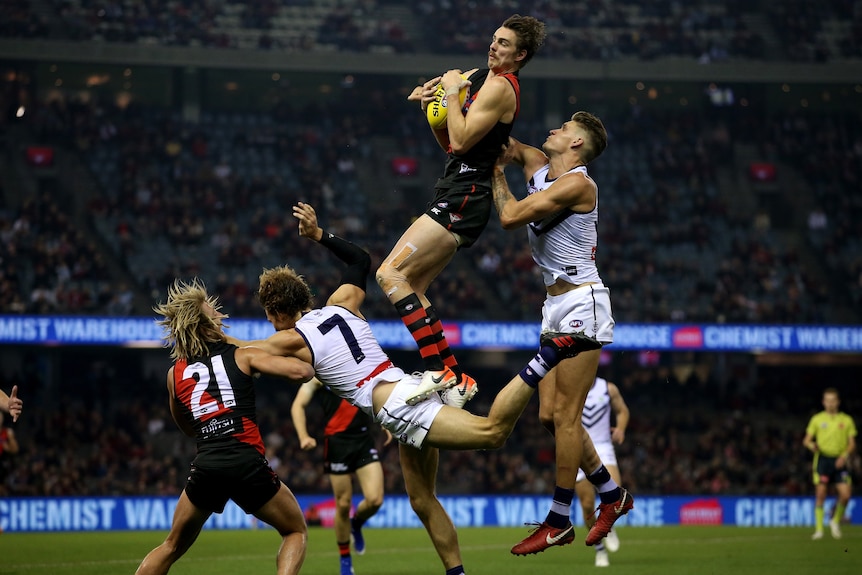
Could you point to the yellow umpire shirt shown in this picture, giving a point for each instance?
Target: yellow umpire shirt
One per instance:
(831, 432)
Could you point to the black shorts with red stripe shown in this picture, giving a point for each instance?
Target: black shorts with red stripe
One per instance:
(345, 453)
(464, 210)
(247, 479)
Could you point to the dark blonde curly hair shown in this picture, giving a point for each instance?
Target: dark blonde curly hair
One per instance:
(281, 291)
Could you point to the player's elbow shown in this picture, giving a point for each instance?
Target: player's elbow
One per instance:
(507, 222)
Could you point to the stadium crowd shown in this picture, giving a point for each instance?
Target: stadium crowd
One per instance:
(212, 199)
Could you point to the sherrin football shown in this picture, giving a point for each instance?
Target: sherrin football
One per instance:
(436, 110)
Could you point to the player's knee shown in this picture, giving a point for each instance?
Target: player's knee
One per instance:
(342, 505)
(389, 277)
(498, 434)
(374, 502)
(422, 502)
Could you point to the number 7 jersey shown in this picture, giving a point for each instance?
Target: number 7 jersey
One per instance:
(345, 354)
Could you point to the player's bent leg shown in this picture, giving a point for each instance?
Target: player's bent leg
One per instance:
(185, 528)
(457, 429)
(342, 490)
(419, 467)
(547, 399)
(282, 511)
(422, 252)
(370, 478)
(574, 378)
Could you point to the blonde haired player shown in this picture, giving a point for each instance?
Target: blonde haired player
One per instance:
(831, 436)
(211, 396)
(604, 397)
(472, 137)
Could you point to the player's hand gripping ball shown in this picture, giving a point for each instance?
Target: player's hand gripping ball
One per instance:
(436, 110)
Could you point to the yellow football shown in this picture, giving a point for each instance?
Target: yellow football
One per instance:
(436, 110)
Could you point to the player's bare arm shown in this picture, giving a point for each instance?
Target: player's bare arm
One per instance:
(347, 295)
(530, 159)
(176, 412)
(424, 94)
(297, 413)
(571, 191)
(252, 359)
(621, 410)
(286, 343)
(495, 103)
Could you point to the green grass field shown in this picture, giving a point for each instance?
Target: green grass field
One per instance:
(660, 551)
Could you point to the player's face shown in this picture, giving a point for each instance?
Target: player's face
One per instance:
(280, 321)
(213, 313)
(562, 138)
(831, 402)
(503, 54)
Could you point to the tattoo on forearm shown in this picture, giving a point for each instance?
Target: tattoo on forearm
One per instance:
(500, 187)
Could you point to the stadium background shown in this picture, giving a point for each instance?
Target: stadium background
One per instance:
(144, 141)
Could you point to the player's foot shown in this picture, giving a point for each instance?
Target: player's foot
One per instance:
(602, 559)
(544, 536)
(816, 535)
(569, 344)
(612, 541)
(608, 514)
(346, 565)
(357, 538)
(432, 382)
(835, 528)
(459, 394)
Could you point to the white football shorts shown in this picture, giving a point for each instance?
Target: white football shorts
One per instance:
(409, 424)
(587, 309)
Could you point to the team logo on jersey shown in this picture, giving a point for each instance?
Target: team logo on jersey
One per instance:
(465, 169)
(435, 211)
(443, 205)
(576, 323)
(455, 218)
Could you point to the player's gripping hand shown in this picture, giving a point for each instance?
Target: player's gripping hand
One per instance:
(424, 93)
(453, 82)
(15, 404)
(307, 217)
(307, 444)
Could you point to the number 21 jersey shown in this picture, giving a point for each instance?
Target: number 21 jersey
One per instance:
(218, 399)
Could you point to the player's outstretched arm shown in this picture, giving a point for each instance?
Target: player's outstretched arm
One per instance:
(351, 293)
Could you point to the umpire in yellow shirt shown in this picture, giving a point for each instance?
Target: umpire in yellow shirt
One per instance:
(831, 436)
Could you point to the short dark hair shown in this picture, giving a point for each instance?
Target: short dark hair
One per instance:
(832, 390)
(530, 32)
(598, 135)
